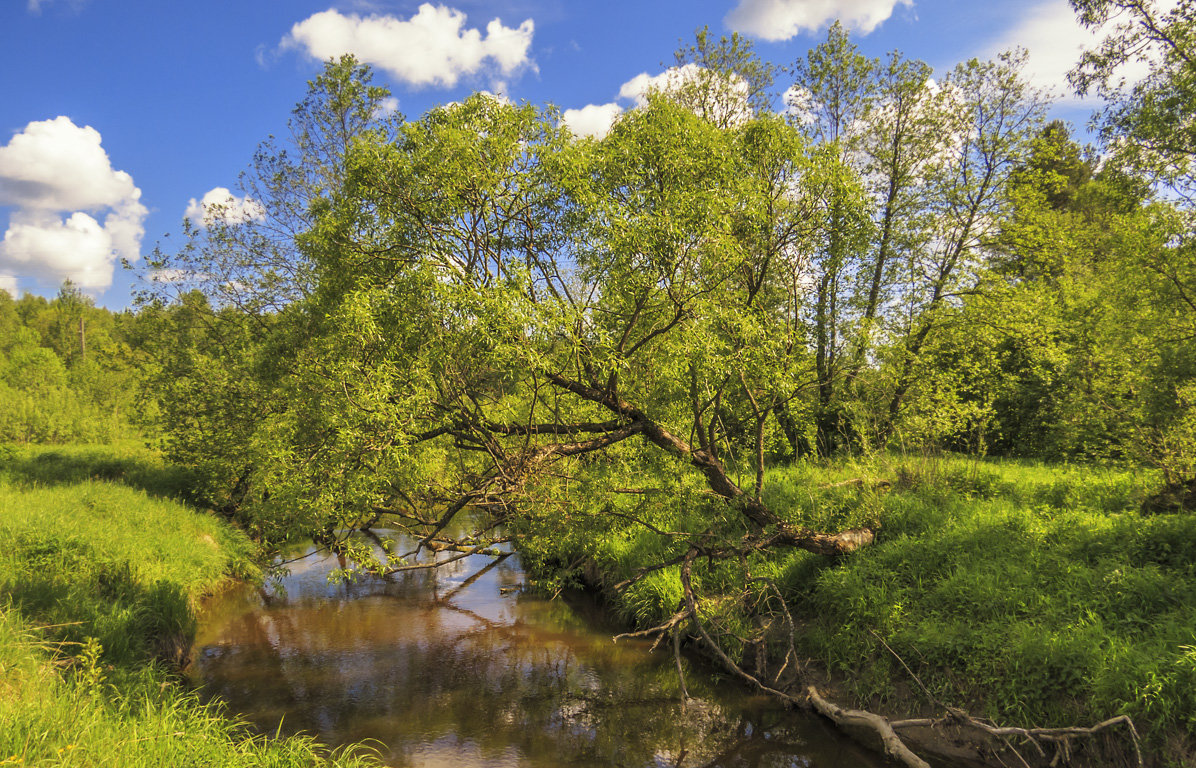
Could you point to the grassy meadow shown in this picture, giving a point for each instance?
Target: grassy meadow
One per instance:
(101, 571)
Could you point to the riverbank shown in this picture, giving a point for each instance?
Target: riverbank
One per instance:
(101, 569)
(1030, 595)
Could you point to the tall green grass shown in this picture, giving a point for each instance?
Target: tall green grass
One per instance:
(60, 712)
(1042, 595)
(101, 569)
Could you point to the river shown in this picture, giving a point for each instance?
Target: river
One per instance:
(459, 666)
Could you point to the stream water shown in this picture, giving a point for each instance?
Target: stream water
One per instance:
(459, 667)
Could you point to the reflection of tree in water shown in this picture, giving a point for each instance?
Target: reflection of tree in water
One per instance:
(395, 663)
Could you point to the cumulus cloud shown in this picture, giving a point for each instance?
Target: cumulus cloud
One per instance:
(726, 98)
(57, 178)
(638, 87)
(48, 246)
(433, 47)
(1054, 41)
(9, 283)
(221, 205)
(592, 120)
(387, 107)
(783, 19)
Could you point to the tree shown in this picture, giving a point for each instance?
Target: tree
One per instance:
(835, 88)
(1147, 124)
(580, 296)
(483, 302)
(243, 252)
(723, 82)
(1149, 131)
(222, 309)
(991, 119)
(931, 163)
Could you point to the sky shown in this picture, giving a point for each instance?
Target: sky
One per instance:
(120, 117)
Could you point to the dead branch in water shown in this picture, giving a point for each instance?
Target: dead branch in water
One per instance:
(858, 718)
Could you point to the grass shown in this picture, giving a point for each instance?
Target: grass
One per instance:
(1042, 595)
(1035, 595)
(100, 571)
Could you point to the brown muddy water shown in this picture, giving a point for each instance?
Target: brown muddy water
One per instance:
(459, 667)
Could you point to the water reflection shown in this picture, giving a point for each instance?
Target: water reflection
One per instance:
(457, 667)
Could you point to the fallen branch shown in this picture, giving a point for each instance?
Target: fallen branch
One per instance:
(893, 745)
(1060, 736)
(1057, 735)
(858, 718)
(660, 630)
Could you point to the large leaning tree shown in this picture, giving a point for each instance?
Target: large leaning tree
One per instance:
(455, 313)
(476, 326)
(501, 305)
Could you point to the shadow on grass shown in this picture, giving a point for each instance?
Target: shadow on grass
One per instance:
(68, 587)
(68, 466)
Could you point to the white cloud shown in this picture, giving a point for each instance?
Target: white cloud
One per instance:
(56, 165)
(433, 47)
(220, 204)
(783, 19)
(387, 107)
(48, 247)
(638, 87)
(56, 175)
(1054, 39)
(592, 120)
(9, 283)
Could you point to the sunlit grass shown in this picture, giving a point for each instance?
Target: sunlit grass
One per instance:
(100, 573)
(52, 715)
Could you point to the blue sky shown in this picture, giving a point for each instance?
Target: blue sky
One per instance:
(116, 116)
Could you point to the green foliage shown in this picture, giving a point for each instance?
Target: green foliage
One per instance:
(1040, 595)
(1148, 125)
(107, 560)
(1029, 593)
(65, 371)
(601, 344)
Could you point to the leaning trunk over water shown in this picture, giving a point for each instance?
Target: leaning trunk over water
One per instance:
(704, 457)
